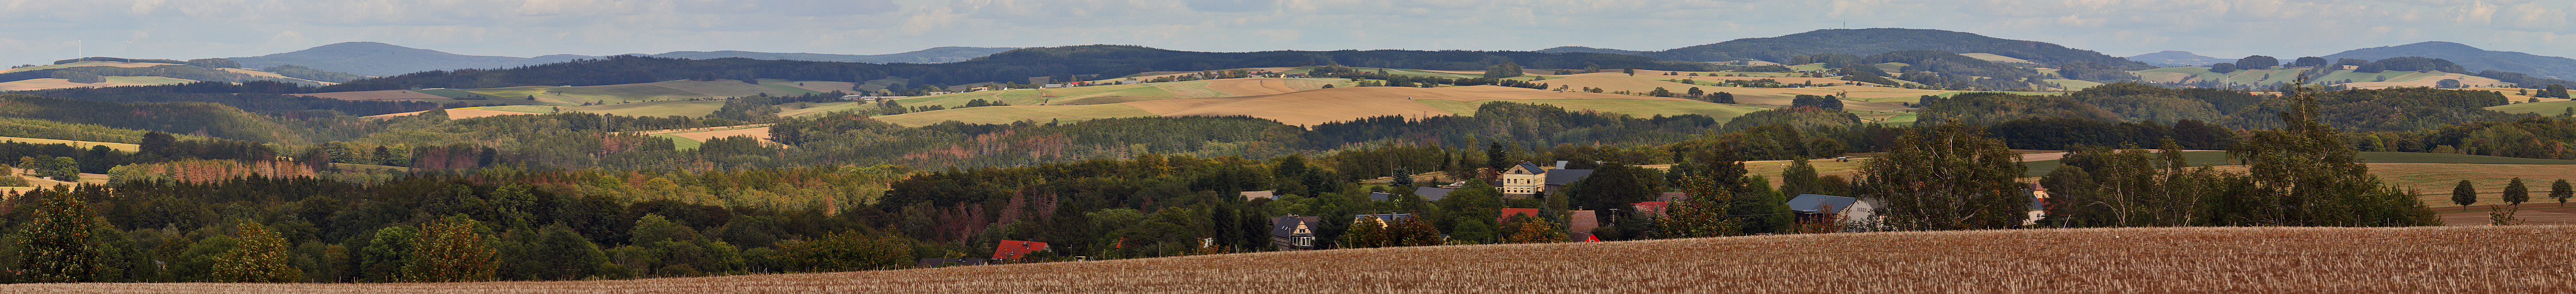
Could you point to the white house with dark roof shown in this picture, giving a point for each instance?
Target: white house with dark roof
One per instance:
(1526, 179)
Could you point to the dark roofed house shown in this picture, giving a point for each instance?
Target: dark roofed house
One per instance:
(1014, 249)
(1380, 196)
(1293, 232)
(1671, 196)
(1432, 193)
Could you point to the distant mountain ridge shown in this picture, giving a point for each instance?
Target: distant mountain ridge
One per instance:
(380, 59)
(1865, 42)
(2471, 57)
(2170, 58)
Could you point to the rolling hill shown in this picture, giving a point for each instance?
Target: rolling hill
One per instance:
(2246, 259)
(130, 72)
(1865, 42)
(2471, 57)
(2171, 58)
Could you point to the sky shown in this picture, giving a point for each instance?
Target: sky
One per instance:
(40, 31)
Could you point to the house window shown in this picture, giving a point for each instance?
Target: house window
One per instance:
(1305, 241)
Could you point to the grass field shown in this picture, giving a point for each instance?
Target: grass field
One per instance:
(2458, 259)
(2544, 108)
(681, 143)
(2430, 175)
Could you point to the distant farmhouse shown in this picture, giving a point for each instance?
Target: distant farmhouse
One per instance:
(1293, 232)
(1525, 180)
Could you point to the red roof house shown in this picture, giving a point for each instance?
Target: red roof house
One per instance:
(1013, 250)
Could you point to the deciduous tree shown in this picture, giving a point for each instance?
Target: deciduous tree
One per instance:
(261, 258)
(1951, 178)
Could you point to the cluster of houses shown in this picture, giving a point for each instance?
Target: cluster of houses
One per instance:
(1525, 180)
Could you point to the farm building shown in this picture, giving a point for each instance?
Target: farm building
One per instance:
(1381, 196)
(1656, 208)
(1293, 232)
(1250, 195)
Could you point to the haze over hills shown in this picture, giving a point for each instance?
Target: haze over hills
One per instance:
(2170, 58)
(380, 59)
(1865, 42)
(2471, 57)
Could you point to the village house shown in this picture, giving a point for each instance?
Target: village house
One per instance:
(1250, 195)
(1844, 209)
(1525, 180)
(1293, 232)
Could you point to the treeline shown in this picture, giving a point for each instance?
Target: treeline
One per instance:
(2363, 110)
(253, 96)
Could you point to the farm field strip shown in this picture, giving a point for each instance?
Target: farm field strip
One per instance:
(2479, 259)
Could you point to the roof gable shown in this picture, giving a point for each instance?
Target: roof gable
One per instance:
(1509, 212)
(1432, 193)
(1567, 176)
(1013, 249)
(1808, 202)
(1525, 168)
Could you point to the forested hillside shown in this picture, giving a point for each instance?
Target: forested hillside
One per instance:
(1864, 42)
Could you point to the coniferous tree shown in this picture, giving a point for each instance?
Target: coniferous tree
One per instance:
(262, 257)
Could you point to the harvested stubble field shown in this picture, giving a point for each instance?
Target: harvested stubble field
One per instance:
(2507, 259)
